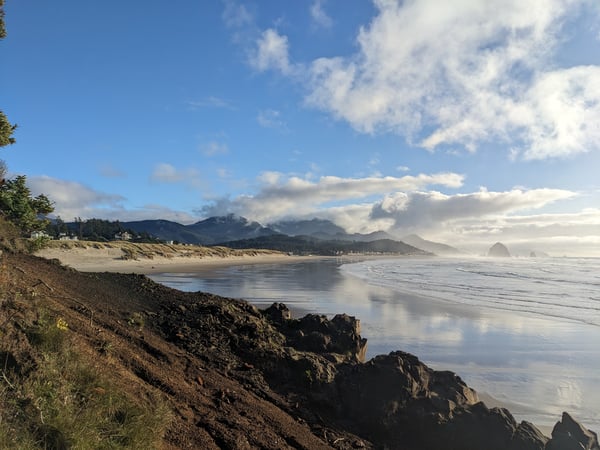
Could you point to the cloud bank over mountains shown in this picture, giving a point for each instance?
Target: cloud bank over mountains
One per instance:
(468, 220)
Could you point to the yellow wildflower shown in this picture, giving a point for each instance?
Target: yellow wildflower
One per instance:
(61, 324)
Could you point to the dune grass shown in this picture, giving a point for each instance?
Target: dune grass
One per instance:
(135, 251)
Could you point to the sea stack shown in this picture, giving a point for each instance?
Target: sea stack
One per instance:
(498, 250)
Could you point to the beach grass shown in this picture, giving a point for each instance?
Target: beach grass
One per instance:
(138, 251)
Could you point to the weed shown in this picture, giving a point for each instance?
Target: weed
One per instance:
(136, 320)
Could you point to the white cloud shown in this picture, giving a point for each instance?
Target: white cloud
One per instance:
(463, 73)
(473, 221)
(558, 234)
(211, 102)
(72, 199)
(319, 16)
(281, 196)
(418, 210)
(270, 118)
(70, 195)
(224, 173)
(167, 173)
(236, 15)
(214, 148)
(271, 52)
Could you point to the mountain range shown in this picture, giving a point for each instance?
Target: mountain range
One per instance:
(306, 236)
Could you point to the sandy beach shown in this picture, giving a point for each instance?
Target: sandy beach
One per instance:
(157, 258)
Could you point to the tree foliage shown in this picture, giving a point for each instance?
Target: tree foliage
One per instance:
(6, 129)
(19, 207)
(2, 29)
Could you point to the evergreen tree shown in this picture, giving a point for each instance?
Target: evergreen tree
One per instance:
(6, 128)
(19, 207)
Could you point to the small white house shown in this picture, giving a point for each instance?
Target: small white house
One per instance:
(39, 234)
(66, 237)
(124, 236)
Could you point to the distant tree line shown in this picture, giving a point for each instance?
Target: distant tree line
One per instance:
(95, 230)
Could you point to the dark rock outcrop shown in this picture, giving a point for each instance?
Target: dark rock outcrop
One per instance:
(316, 364)
(398, 401)
(498, 250)
(315, 333)
(571, 435)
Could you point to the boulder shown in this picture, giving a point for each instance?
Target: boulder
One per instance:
(316, 333)
(399, 402)
(278, 313)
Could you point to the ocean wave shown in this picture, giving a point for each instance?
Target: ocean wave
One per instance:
(562, 288)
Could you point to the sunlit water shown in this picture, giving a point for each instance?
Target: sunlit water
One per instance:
(525, 331)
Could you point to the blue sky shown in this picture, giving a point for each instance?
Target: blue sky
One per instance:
(467, 122)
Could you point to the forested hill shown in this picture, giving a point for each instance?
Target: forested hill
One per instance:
(304, 245)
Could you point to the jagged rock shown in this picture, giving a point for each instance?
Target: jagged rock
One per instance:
(498, 250)
(399, 402)
(568, 434)
(478, 427)
(278, 313)
(316, 333)
(394, 397)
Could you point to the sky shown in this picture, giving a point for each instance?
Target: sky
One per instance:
(467, 122)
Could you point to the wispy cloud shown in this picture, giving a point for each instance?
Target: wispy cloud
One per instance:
(271, 52)
(319, 16)
(109, 171)
(169, 174)
(211, 102)
(236, 15)
(270, 118)
(214, 148)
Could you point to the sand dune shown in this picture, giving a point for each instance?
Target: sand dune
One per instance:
(129, 257)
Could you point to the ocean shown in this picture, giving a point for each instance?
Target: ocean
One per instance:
(524, 332)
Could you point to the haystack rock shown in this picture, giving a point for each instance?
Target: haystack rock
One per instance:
(499, 250)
